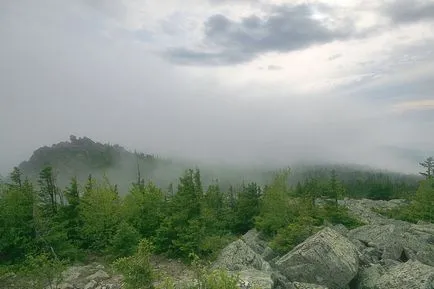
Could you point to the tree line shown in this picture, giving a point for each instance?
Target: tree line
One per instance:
(190, 220)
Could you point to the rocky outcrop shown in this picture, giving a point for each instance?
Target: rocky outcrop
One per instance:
(410, 275)
(239, 256)
(298, 285)
(397, 240)
(253, 239)
(91, 276)
(364, 209)
(252, 278)
(326, 258)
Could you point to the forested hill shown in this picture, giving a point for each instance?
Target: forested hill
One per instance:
(82, 156)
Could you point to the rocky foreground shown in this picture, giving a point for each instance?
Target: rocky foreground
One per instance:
(384, 254)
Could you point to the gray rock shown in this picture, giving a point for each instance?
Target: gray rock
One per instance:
(66, 286)
(256, 279)
(108, 286)
(326, 258)
(298, 285)
(410, 275)
(238, 256)
(253, 239)
(370, 255)
(398, 241)
(341, 229)
(91, 284)
(363, 209)
(98, 276)
(369, 276)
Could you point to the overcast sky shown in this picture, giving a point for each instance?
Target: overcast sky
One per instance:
(236, 81)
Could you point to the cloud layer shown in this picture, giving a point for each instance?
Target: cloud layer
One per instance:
(252, 82)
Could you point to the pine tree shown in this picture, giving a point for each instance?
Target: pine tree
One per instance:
(274, 210)
(247, 207)
(335, 188)
(428, 164)
(49, 196)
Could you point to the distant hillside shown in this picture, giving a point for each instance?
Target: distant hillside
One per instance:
(82, 156)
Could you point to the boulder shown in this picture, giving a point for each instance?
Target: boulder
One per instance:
(326, 258)
(66, 286)
(368, 277)
(298, 285)
(238, 256)
(253, 239)
(256, 279)
(91, 284)
(400, 241)
(410, 275)
(98, 276)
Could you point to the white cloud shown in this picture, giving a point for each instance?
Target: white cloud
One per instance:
(98, 71)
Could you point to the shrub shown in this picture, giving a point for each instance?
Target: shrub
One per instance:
(293, 234)
(339, 215)
(137, 269)
(124, 242)
(42, 271)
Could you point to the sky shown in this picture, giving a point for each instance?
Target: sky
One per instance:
(238, 82)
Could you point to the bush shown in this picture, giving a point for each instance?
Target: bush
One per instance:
(204, 278)
(137, 269)
(340, 215)
(124, 242)
(42, 271)
(210, 246)
(292, 235)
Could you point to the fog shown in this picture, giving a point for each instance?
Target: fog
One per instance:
(181, 82)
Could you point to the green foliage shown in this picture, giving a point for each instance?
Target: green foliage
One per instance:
(71, 213)
(144, 208)
(334, 189)
(428, 165)
(124, 242)
(181, 230)
(137, 269)
(42, 271)
(381, 191)
(100, 212)
(206, 279)
(422, 205)
(293, 234)
(17, 228)
(338, 215)
(247, 208)
(49, 194)
(274, 212)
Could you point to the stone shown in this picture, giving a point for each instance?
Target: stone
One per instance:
(409, 275)
(326, 258)
(66, 286)
(256, 279)
(253, 239)
(238, 256)
(98, 276)
(91, 284)
(298, 285)
(368, 277)
(400, 241)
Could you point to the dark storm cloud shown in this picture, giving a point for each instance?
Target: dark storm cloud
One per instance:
(405, 11)
(287, 28)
